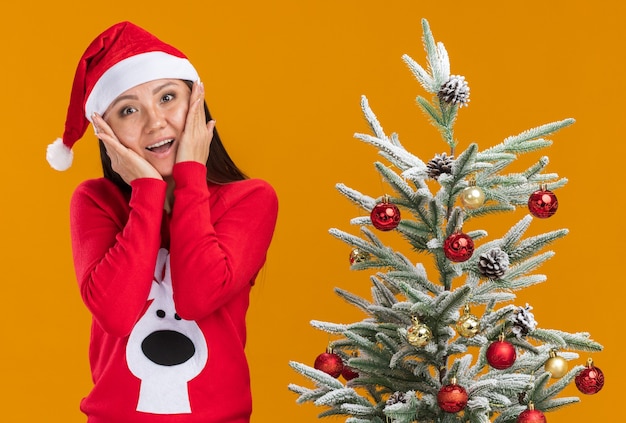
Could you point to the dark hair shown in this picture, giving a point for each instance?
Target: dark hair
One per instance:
(220, 167)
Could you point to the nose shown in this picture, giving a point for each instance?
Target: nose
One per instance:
(155, 119)
(168, 348)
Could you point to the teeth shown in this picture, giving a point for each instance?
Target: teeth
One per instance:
(158, 144)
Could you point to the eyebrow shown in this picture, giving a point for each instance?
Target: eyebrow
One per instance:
(134, 97)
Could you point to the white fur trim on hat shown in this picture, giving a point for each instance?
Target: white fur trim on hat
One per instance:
(133, 71)
(59, 155)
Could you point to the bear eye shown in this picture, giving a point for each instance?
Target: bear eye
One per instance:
(176, 316)
(160, 313)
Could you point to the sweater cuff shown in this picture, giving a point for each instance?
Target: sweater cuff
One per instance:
(148, 190)
(189, 174)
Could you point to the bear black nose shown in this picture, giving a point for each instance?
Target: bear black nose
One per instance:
(168, 348)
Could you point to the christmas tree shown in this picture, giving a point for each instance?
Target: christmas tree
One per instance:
(423, 353)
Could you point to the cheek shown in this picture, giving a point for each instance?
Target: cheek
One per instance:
(180, 116)
(128, 135)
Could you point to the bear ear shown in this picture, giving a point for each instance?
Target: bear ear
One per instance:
(159, 269)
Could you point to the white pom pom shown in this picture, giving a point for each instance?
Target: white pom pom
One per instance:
(59, 155)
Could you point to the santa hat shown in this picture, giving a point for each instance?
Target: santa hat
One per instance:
(120, 58)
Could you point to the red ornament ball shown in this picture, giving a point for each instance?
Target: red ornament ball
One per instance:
(590, 380)
(330, 363)
(543, 203)
(458, 247)
(349, 373)
(501, 355)
(385, 216)
(531, 416)
(452, 398)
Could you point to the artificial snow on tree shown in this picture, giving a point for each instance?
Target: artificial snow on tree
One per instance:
(415, 356)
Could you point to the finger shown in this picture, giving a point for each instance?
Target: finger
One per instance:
(106, 134)
(102, 129)
(197, 91)
(113, 149)
(210, 126)
(111, 144)
(195, 114)
(100, 125)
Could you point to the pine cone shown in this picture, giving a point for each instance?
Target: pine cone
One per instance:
(440, 164)
(396, 397)
(455, 90)
(493, 264)
(523, 321)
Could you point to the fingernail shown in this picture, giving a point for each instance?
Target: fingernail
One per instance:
(93, 123)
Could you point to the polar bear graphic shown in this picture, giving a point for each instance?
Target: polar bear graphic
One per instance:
(163, 350)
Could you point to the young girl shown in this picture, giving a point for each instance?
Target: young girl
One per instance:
(167, 245)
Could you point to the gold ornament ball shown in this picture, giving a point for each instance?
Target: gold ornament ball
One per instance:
(358, 256)
(472, 197)
(557, 366)
(468, 325)
(419, 335)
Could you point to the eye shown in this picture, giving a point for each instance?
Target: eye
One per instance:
(167, 98)
(160, 313)
(125, 111)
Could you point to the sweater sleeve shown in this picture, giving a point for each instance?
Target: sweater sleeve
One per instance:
(217, 245)
(115, 245)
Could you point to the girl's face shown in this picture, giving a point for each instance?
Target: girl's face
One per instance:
(150, 118)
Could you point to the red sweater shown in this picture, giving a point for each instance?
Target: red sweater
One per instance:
(168, 331)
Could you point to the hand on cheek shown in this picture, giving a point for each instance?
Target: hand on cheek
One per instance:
(128, 164)
(197, 135)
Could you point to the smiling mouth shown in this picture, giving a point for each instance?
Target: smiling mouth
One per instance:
(160, 146)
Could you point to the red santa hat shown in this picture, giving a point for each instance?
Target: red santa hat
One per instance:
(120, 58)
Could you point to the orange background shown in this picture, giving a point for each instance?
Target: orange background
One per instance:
(284, 79)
